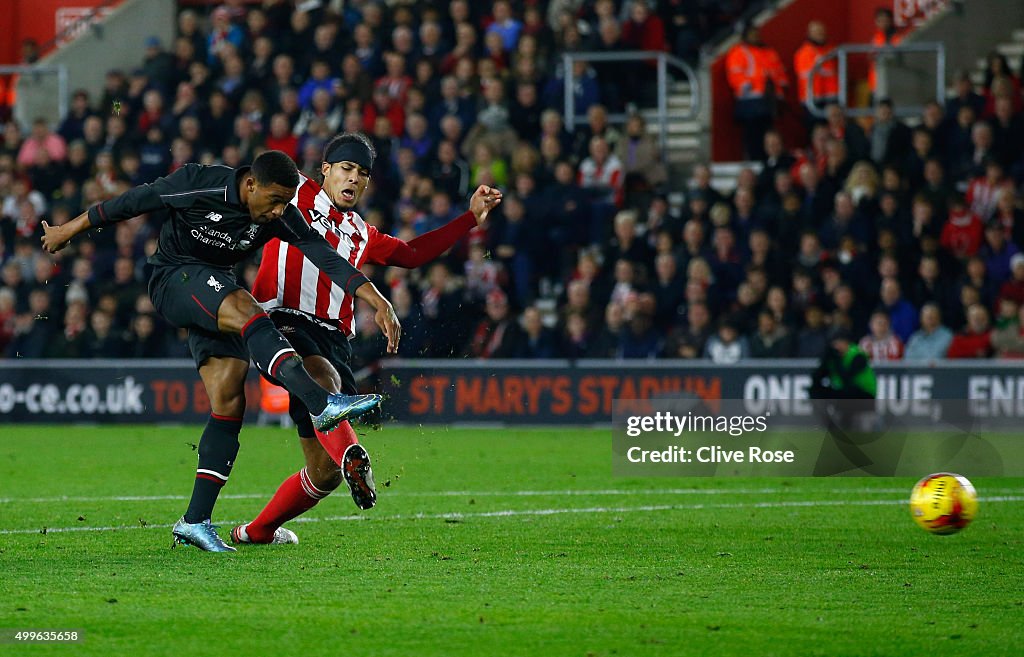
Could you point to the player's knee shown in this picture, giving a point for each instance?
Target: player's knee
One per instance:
(229, 404)
(300, 416)
(236, 310)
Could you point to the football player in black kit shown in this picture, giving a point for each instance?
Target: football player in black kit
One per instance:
(218, 217)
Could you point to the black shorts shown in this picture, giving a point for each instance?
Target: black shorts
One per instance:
(188, 296)
(311, 339)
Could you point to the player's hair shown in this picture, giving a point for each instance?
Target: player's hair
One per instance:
(347, 138)
(275, 168)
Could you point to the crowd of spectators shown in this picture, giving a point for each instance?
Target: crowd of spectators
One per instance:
(906, 235)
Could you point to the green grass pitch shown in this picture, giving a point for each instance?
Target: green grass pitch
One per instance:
(491, 542)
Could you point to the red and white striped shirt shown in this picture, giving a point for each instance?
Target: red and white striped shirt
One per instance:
(288, 280)
(882, 349)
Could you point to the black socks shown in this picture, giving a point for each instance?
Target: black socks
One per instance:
(274, 356)
(217, 451)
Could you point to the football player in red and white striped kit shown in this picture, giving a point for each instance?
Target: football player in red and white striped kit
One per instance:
(318, 318)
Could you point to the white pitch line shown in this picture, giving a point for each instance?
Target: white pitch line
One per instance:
(489, 493)
(509, 513)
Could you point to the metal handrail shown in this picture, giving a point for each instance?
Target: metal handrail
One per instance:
(840, 53)
(36, 69)
(663, 59)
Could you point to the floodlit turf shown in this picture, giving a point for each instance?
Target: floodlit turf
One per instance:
(492, 542)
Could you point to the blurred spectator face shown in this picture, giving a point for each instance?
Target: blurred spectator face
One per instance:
(965, 117)
(639, 12)
(981, 136)
(879, 325)
(323, 36)
(587, 266)
(698, 317)
(844, 206)
(430, 35)
(883, 20)
(564, 173)
(932, 116)
(930, 318)
(322, 100)
(578, 294)
(319, 70)
(975, 268)
(890, 292)
(124, 271)
(1007, 309)
(458, 10)
(502, 12)
(181, 151)
(625, 226)
(283, 69)
(994, 171)
(614, 316)
(744, 200)
(665, 268)
(928, 269)
(440, 206)
(451, 128)
(576, 326)
(493, 43)
(693, 235)
(190, 129)
(624, 272)
(38, 303)
(773, 144)
(256, 21)
(92, 129)
(922, 211)
(977, 318)
(446, 152)
(81, 270)
(696, 292)
(100, 323)
(745, 295)
(142, 326)
(532, 322)
(497, 307)
(843, 298)
(810, 247)
(609, 32)
(808, 176)
(279, 127)
(152, 101)
(724, 241)
(933, 173)
(995, 237)
(699, 271)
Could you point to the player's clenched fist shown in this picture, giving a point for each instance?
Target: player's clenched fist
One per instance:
(484, 200)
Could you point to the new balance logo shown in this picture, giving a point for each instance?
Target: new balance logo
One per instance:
(213, 216)
(215, 284)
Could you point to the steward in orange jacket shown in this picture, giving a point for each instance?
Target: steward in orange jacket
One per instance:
(826, 80)
(758, 81)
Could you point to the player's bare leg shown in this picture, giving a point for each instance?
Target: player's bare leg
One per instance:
(274, 356)
(330, 458)
(224, 379)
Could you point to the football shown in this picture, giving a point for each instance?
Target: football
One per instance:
(943, 503)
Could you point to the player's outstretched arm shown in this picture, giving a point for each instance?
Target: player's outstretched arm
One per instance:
(56, 238)
(172, 190)
(430, 245)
